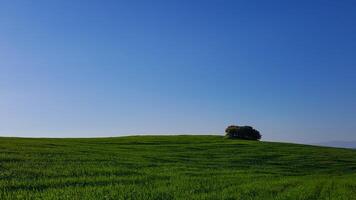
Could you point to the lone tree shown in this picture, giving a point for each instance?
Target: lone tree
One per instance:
(242, 132)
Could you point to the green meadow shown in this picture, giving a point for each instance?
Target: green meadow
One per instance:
(173, 167)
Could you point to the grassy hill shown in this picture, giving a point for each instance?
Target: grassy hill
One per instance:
(173, 167)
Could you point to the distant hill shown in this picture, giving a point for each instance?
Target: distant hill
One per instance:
(173, 167)
(343, 144)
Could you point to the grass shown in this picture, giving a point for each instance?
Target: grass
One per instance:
(173, 167)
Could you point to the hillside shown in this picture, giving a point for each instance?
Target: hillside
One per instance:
(173, 167)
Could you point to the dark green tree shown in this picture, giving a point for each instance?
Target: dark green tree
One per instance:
(242, 132)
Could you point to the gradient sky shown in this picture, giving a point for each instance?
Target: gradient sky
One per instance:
(111, 68)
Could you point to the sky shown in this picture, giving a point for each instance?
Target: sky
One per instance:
(71, 68)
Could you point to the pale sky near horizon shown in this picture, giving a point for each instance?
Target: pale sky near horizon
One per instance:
(111, 68)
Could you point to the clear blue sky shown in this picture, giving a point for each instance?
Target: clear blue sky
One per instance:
(110, 68)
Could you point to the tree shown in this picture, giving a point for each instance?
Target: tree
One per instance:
(242, 132)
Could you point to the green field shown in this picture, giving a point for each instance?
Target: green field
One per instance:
(173, 167)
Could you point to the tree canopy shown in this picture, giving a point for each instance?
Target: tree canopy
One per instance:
(242, 132)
